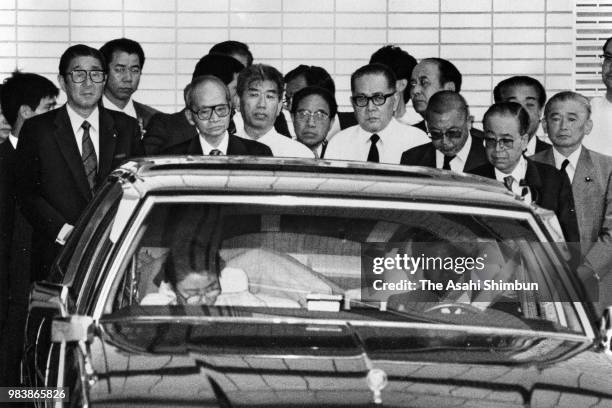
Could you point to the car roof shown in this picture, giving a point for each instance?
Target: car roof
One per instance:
(269, 175)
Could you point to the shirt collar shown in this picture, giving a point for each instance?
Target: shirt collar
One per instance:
(129, 108)
(207, 147)
(531, 146)
(573, 158)
(76, 120)
(13, 140)
(465, 150)
(319, 148)
(518, 173)
(265, 138)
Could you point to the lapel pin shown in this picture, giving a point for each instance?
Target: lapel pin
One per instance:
(588, 179)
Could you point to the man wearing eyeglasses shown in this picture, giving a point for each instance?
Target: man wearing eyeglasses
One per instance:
(125, 59)
(378, 137)
(506, 127)
(567, 123)
(451, 146)
(313, 112)
(600, 138)
(207, 101)
(69, 152)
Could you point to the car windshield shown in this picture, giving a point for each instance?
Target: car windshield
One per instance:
(349, 261)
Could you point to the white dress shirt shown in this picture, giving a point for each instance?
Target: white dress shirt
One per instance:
(458, 162)
(410, 117)
(600, 138)
(354, 143)
(77, 120)
(517, 174)
(129, 108)
(573, 162)
(13, 140)
(281, 146)
(207, 147)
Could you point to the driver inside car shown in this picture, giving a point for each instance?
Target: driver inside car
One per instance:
(420, 299)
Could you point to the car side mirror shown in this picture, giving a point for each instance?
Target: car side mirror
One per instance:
(79, 329)
(605, 330)
(72, 328)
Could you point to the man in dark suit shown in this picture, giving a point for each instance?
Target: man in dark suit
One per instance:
(24, 95)
(208, 111)
(69, 152)
(451, 147)
(530, 93)
(505, 125)
(125, 59)
(167, 130)
(567, 121)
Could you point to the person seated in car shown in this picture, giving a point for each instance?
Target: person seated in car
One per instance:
(423, 299)
(184, 287)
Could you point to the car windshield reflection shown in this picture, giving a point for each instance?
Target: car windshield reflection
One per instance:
(259, 260)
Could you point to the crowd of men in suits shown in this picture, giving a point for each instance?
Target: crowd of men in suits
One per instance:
(404, 112)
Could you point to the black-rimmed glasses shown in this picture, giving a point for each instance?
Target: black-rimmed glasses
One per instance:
(377, 99)
(80, 75)
(206, 112)
(505, 143)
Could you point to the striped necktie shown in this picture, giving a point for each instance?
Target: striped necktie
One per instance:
(88, 156)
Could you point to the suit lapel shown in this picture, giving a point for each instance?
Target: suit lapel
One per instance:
(108, 139)
(533, 181)
(476, 156)
(235, 147)
(429, 158)
(549, 158)
(583, 191)
(64, 136)
(195, 147)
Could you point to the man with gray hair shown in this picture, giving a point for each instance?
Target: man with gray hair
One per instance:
(260, 90)
(451, 147)
(567, 121)
(208, 108)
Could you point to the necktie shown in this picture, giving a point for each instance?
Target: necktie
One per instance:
(508, 180)
(215, 152)
(447, 160)
(88, 156)
(564, 164)
(373, 154)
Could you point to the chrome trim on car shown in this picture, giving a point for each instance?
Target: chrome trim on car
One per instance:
(354, 323)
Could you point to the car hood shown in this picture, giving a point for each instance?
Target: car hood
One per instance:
(312, 364)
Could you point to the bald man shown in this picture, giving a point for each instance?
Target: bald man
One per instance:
(452, 147)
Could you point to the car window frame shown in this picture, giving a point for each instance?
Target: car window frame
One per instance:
(115, 266)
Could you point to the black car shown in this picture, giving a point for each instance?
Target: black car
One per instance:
(241, 282)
